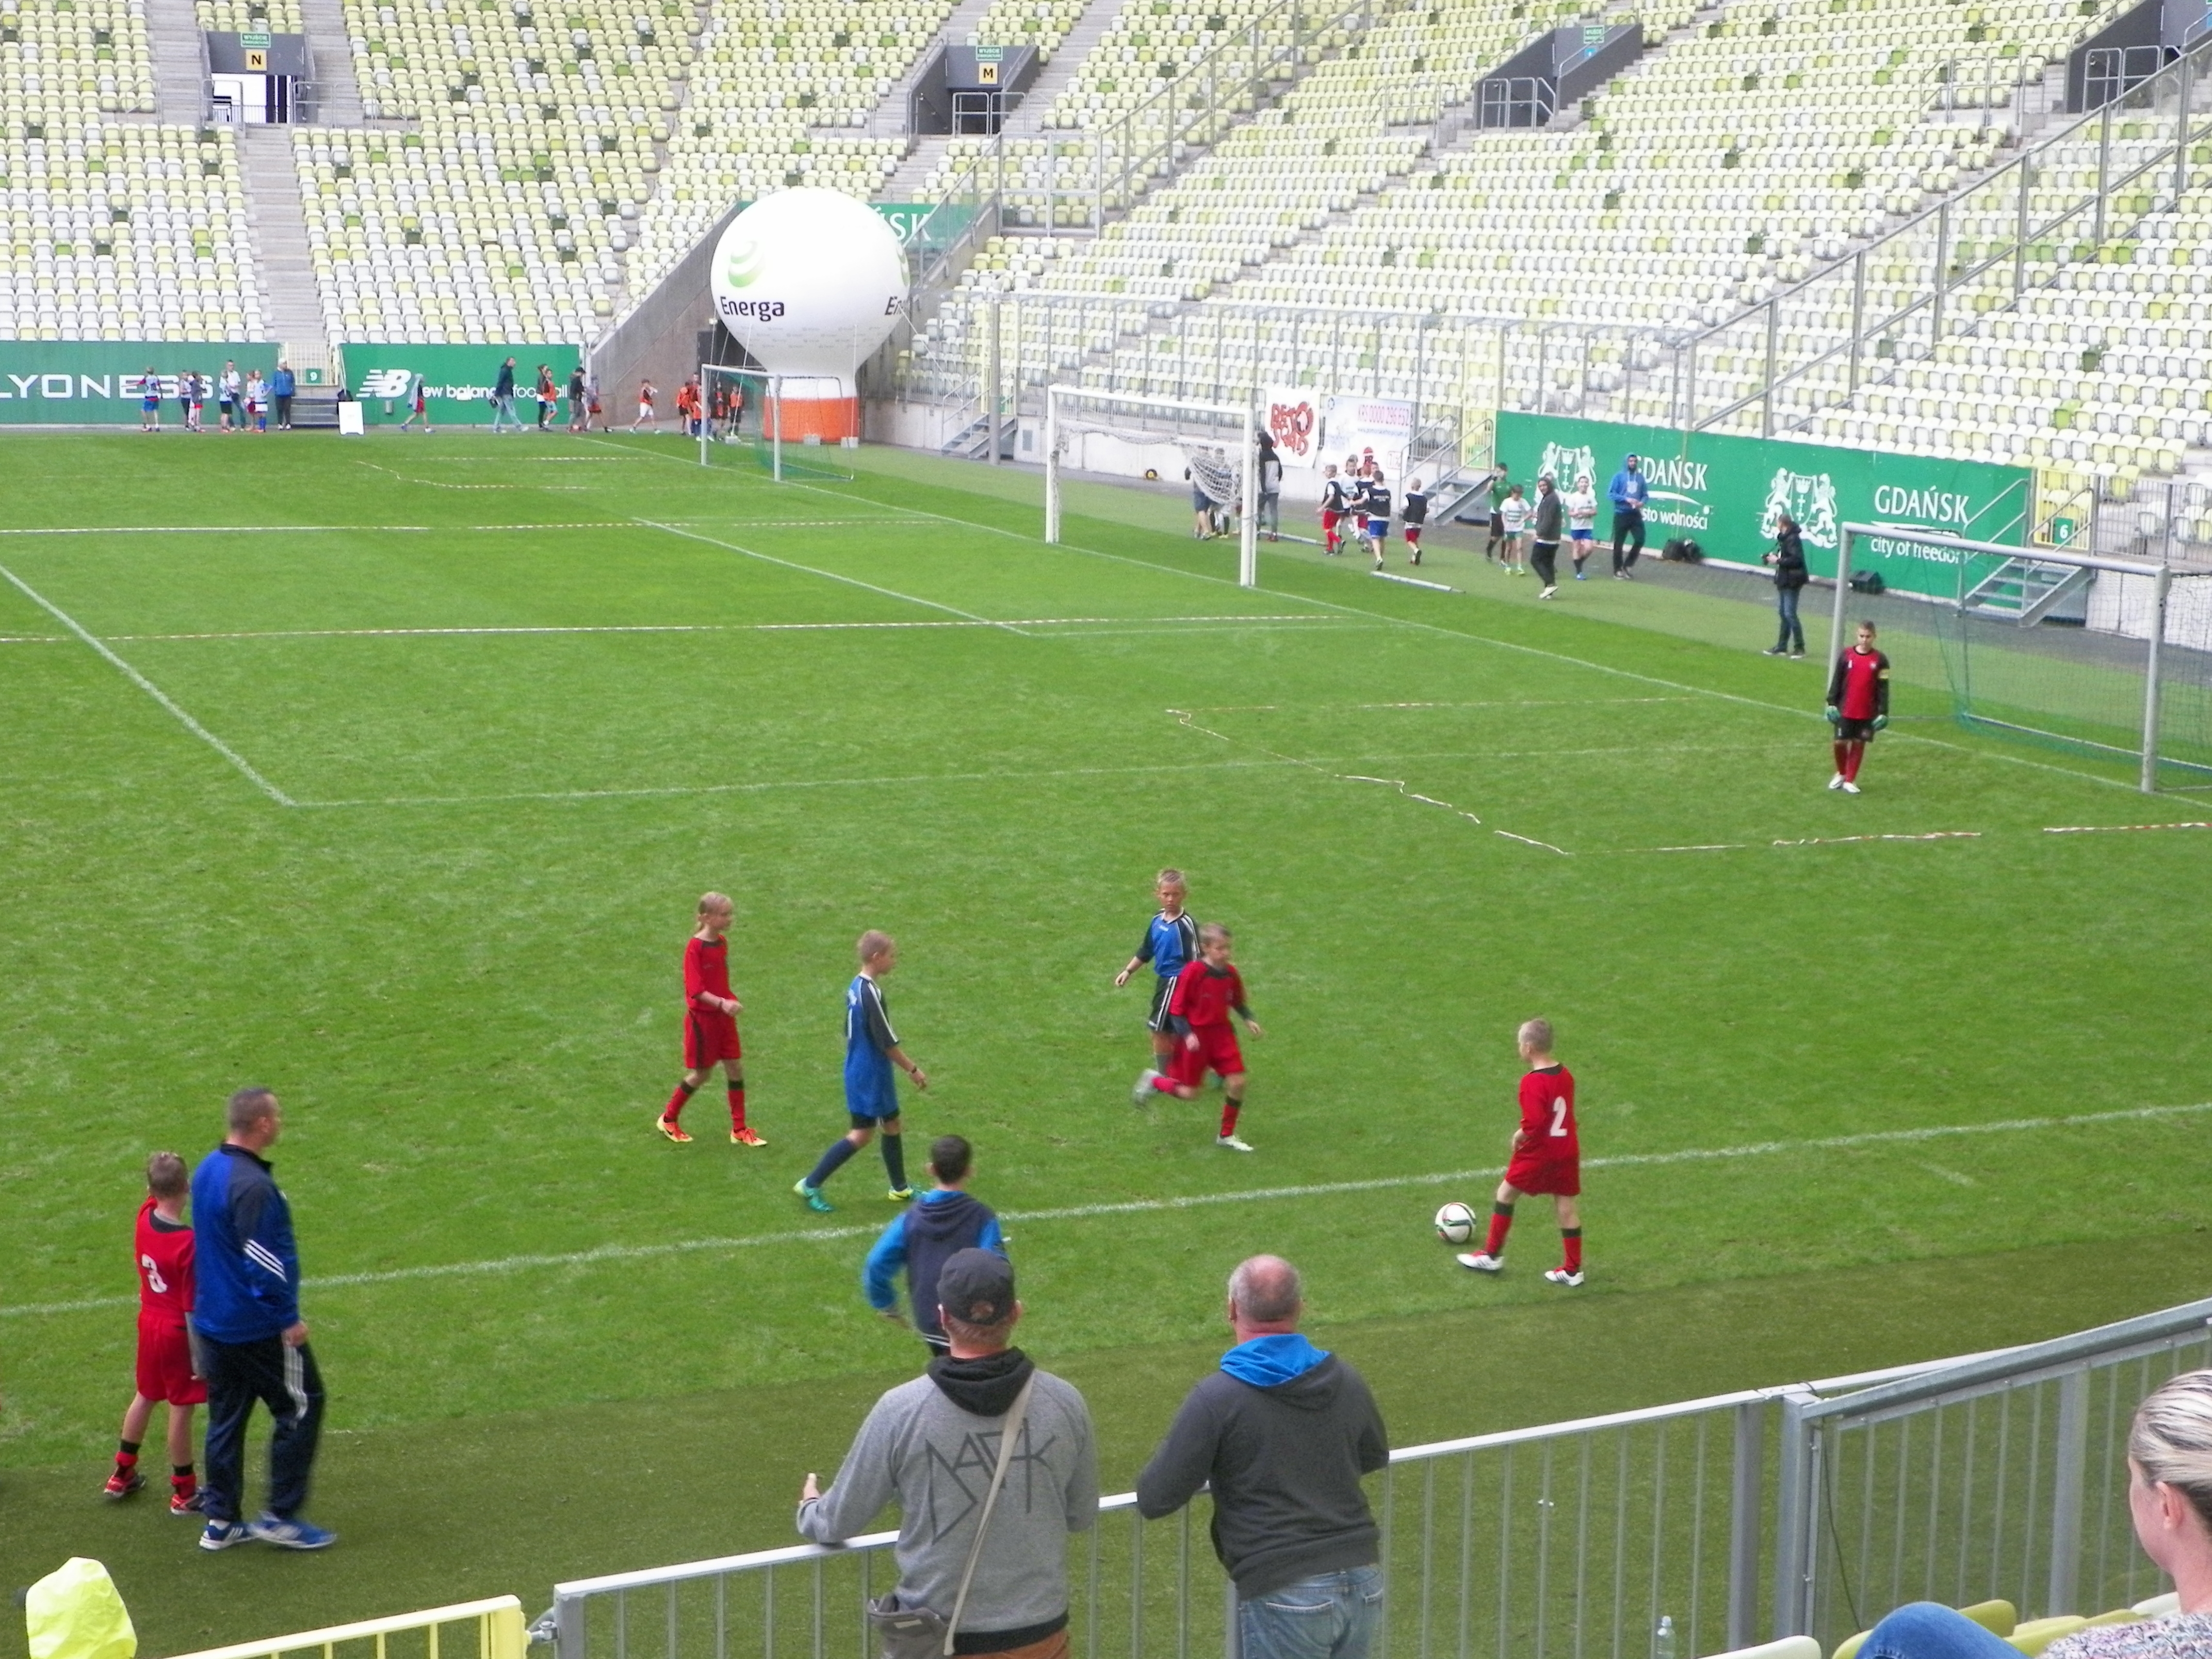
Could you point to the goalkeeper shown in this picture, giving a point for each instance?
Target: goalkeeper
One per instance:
(1858, 706)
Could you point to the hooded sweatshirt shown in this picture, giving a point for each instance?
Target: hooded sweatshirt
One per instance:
(920, 1240)
(931, 1445)
(1628, 488)
(1284, 1431)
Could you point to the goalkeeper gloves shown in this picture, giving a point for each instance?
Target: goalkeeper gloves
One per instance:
(1835, 715)
(1881, 720)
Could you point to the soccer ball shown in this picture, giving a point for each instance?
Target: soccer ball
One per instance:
(1455, 1223)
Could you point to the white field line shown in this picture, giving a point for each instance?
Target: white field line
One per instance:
(437, 483)
(1185, 718)
(2106, 829)
(495, 630)
(151, 690)
(233, 530)
(604, 1253)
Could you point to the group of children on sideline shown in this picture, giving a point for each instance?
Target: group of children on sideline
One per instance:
(1360, 496)
(242, 401)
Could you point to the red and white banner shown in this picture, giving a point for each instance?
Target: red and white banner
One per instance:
(1291, 416)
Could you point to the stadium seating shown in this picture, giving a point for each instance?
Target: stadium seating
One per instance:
(237, 16)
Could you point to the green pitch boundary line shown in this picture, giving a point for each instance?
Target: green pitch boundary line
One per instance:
(604, 1253)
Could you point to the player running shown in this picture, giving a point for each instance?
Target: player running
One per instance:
(1547, 1158)
(872, 1050)
(1198, 1013)
(1858, 706)
(1170, 941)
(165, 1370)
(1375, 507)
(710, 1024)
(1413, 515)
(645, 395)
(1334, 504)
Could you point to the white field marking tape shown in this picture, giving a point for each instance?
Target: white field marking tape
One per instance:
(683, 628)
(1844, 841)
(829, 575)
(789, 783)
(1703, 846)
(604, 1253)
(33, 639)
(1186, 719)
(1492, 703)
(226, 529)
(1415, 581)
(150, 689)
(1532, 841)
(439, 483)
(2106, 829)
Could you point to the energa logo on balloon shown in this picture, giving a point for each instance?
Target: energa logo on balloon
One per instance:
(743, 266)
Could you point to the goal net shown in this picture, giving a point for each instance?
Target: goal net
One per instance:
(2102, 657)
(741, 418)
(1212, 446)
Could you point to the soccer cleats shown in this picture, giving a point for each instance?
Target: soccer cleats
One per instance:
(900, 1195)
(121, 1484)
(290, 1534)
(1849, 788)
(1482, 1261)
(1232, 1143)
(746, 1138)
(673, 1129)
(1549, 593)
(1837, 782)
(1142, 1090)
(814, 1201)
(187, 1503)
(222, 1534)
(1561, 1276)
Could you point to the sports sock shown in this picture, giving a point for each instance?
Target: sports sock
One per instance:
(737, 1105)
(1229, 1109)
(182, 1480)
(1853, 754)
(1501, 1222)
(126, 1456)
(674, 1109)
(894, 1160)
(1573, 1238)
(1843, 758)
(831, 1161)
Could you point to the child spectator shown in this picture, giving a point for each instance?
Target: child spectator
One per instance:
(944, 1220)
(165, 1372)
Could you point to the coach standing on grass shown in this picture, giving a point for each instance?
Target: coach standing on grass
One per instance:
(1284, 1431)
(247, 1336)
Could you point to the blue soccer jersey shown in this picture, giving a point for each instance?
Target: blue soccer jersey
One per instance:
(871, 1085)
(1168, 942)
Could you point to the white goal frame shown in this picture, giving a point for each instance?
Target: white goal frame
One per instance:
(1247, 416)
(2159, 576)
(771, 398)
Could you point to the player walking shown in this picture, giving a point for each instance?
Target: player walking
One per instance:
(872, 1050)
(1334, 504)
(418, 403)
(1581, 522)
(645, 395)
(1170, 941)
(1513, 513)
(710, 1023)
(1858, 706)
(1547, 1158)
(1206, 992)
(1376, 507)
(165, 1370)
(1413, 515)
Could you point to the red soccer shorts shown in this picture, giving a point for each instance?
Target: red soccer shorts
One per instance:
(165, 1363)
(709, 1037)
(1413, 535)
(1217, 1049)
(1561, 1177)
(1329, 521)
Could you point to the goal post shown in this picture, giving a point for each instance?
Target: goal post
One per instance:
(745, 408)
(1063, 418)
(2105, 655)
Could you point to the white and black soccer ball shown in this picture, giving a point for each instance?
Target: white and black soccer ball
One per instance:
(1454, 1223)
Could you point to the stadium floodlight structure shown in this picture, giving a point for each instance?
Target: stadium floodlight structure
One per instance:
(2108, 656)
(1062, 419)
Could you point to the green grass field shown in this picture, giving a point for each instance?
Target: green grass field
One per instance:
(403, 812)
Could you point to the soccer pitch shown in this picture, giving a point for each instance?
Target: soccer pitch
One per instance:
(387, 774)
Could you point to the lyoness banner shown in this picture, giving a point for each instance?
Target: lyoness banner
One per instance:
(458, 381)
(1729, 493)
(83, 382)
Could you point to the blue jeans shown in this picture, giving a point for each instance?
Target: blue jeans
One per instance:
(1923, 1630)
(1793, 632)
(1331, 1616)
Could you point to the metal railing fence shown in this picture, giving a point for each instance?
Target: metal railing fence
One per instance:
(1965, 1478)
(488, 1628)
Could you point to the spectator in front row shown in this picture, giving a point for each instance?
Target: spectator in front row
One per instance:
(283, 388)
(1284, 1431)
(2170, 1500)
(931, 1443)
(943, 1222)
(1791, 576)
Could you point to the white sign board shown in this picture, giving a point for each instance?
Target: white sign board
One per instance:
(349, 419)
(1352, 425)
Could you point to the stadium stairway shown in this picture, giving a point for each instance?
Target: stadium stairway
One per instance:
(890, 113)
(1067, 58)
(180, 90)
(290, 304)
(337, 93)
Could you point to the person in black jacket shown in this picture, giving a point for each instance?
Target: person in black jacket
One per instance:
(1791, 576)
(1283, 1431)
(945, 1221)
(1544, 554)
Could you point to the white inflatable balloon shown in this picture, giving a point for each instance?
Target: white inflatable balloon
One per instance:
(809, 281)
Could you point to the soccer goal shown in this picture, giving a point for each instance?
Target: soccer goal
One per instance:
(2102, 656)
(742, 414)
(1219, 443)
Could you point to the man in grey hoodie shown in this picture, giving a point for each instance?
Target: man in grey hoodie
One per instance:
(1284, 1431)
(932, 1443)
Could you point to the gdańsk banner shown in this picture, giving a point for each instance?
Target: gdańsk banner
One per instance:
(102, 382)
(457, 382)
(1728, 493)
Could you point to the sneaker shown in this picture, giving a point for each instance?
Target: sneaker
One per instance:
(1580, 577)
(814, 1201)
(1773, 650)
(673, 1130)
(900, 1194)
(746, 1138)
(1549, 593)
(1142, 1090)
(1232, 1143)
(191, 1503)
(292, 1535)
(1797, 656)
(1837, 782)
(121, 1484)
(1849, 788)
(1561, 1276)
(222, 1534)
(1482, 1261)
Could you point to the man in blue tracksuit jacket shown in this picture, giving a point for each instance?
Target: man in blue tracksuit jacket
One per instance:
(944, 1222)
(247, 1336)
(1629, 492)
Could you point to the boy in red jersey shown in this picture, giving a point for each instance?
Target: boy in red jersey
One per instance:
(1547, 1158)
(165, 1370)
(710, 1023)
(1858, 706)
(1198, 1013)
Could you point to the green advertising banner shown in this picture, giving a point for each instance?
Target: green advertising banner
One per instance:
(1727, 492)
(457, 379)
(88, 382)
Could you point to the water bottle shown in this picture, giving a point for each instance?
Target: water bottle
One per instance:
(1662, 1639)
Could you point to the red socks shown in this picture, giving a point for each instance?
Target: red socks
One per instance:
(1843, 758)
(1228, 1111)
(673, 1112)
(1573, 1238)
(736, 1106)
(1854, 753)
(1501, 1222)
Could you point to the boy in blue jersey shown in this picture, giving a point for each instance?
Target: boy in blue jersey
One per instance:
(872, 1050)
(945, 1221)
(1170, 941)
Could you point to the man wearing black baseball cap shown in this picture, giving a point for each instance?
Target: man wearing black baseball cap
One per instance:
(933, 1444)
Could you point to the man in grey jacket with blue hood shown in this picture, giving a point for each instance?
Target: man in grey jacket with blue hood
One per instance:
(1284, 1431)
